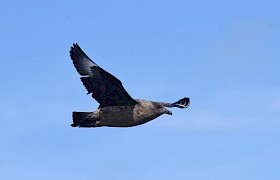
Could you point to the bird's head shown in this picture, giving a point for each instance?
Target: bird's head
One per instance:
(166, 111)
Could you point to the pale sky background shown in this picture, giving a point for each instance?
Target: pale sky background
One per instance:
(224, 55)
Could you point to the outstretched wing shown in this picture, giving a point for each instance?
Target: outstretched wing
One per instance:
(106, 89)
(182, 103)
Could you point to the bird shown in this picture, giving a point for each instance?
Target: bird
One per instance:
(116, 107)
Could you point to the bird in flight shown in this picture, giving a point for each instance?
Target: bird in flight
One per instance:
(116, 107)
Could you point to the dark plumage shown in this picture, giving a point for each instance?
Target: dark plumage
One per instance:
(117, 108)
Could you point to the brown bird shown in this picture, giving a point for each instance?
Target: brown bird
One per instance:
(117, 108)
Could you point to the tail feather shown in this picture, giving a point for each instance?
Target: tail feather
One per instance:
(182, 103)
(82, 119)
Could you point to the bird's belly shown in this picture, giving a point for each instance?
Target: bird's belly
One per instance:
(125, 116)
(117, 116)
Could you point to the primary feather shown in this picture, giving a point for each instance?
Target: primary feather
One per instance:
(106, 89)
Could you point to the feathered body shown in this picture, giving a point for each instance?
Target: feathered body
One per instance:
(121, 116)
(117, 108)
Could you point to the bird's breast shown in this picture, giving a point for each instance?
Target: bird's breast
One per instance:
(124, 116)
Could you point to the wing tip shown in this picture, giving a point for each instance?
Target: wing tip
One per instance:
(73, 47)
(182, 103)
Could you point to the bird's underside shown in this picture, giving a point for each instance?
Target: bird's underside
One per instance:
(117, 108)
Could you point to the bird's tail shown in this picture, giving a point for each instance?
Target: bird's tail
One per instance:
(82, 119)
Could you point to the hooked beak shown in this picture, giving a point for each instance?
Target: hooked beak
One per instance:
(168, 112)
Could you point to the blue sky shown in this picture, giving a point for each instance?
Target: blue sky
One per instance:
(224, 55)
